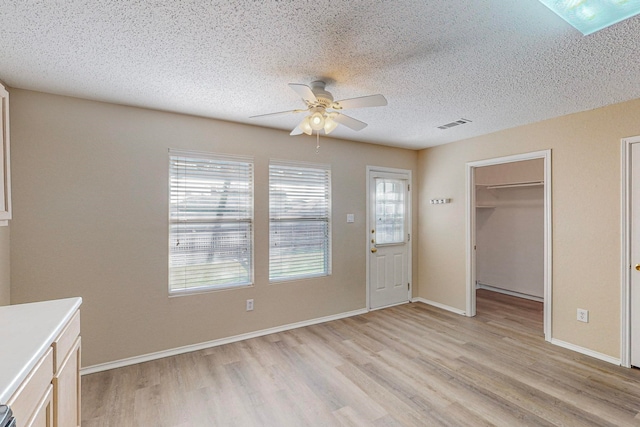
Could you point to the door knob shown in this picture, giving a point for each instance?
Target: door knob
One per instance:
(374, 250)
(638, 267)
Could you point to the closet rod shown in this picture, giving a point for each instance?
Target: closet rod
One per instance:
(516, 184)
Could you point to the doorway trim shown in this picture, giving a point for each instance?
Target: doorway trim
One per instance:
(625, 248)
(408, 173)
(471, 231)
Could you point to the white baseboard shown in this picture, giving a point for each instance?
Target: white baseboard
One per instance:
(390, 305)
(507, 292)
(586, 351)
(195, 347)
(442, 306)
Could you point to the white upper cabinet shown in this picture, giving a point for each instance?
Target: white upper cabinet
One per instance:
(5, 170)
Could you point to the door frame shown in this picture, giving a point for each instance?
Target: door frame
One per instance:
(625, 248)
(471, 231)
(386, 170)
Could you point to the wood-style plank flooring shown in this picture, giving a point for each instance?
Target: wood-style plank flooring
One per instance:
(410, 365)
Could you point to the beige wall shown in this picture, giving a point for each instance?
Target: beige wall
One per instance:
(5, 282)
(90, 219)
(510, 173)
(586, 217)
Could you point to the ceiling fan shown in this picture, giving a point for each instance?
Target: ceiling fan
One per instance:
(323, 112)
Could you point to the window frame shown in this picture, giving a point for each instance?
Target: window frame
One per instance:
(223, 158)
(328, 261)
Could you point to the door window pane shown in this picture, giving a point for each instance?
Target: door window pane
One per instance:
(390, 211)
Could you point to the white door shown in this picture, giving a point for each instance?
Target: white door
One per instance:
(635, 254)
(389, 234)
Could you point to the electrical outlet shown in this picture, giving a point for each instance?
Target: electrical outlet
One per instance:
(583, 315)
(249, 304)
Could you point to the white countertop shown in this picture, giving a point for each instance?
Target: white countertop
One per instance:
(26, 332)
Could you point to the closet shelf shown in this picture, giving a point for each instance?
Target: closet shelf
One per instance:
(512, 185)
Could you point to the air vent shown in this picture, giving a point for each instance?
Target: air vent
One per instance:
(453, 124)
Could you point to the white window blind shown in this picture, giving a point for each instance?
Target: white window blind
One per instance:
(211, 221)
(300, 221)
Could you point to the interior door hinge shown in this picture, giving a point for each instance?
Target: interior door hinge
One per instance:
(408, 237)
(408, 187)
(408, 286)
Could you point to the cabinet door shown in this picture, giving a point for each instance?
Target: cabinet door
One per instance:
(66, 390)
(43, 415)
(29, 396)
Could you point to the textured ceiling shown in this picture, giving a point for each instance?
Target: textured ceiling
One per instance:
(498, 63)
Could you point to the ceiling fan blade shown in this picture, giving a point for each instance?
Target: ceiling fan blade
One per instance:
(363, 101)
(349, 122)
(304, 92)
(296, 131)
(278, 113)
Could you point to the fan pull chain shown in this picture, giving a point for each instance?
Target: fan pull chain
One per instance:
(317, 142)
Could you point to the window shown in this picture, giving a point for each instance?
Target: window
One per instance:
(300, 221)
(210, 221)
(390, 211)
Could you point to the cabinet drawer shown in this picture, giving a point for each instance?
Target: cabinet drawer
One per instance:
(24, 401)
(63, 344)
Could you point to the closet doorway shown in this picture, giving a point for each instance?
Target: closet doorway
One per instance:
(509, 229)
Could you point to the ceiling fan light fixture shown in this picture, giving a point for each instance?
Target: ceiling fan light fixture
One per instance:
(329, 125)
(316, 120)
(320, 107)
(305, 125)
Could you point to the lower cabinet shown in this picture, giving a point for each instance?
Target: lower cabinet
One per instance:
(50, 394)
(66, 390)
(32, 398)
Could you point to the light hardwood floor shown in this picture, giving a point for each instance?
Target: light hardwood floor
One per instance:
(410, 365)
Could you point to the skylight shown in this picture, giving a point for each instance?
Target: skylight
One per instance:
(589, 16)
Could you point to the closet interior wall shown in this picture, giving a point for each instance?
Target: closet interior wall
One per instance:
(510, 227)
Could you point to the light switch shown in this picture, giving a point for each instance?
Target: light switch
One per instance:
(351, 218)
